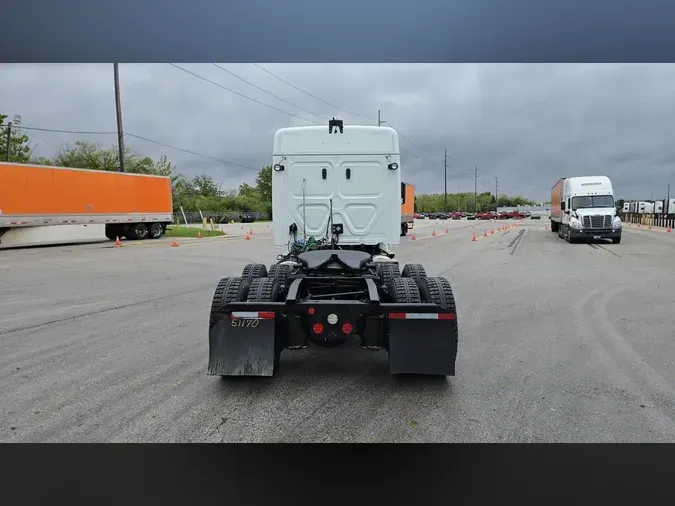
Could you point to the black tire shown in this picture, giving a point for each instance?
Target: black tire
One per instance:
(404, 291)
(387, 271)
(280, 272)
(414, 271)
(267, 290)
(227, 290)
(438, 291)
(252, 271)
(137, 232)
(616, 240)
(404, 229)
(156, 231)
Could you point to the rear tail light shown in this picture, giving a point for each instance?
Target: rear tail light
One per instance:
(347, 328)
(317, 328)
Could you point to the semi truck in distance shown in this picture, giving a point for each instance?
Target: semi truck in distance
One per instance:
(583, 208)
(407, 207)
(46, 205)
(335, 193)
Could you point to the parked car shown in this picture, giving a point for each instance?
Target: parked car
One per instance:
(247, 218)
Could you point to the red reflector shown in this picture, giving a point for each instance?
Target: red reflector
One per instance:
(397, 316)
(447, 316)
(317, 328)
(347, 328)
(310, 310)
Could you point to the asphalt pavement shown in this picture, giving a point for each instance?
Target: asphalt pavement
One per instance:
(558, 343)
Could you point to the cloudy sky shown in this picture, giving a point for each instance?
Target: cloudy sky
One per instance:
(526, 125)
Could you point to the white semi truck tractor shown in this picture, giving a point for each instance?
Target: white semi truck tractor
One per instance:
(582, 208)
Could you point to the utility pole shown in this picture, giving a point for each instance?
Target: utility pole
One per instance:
(379, 123)
(9, 139)
(118, 107)
(459, 200)
(475, 188)
(668, 200)
(496, 188)
(445, 181)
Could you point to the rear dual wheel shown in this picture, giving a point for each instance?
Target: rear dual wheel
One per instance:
(434, 290)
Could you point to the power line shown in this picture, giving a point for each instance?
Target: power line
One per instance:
(78, 132)
(188, 151)
(219, 160)
(242, 95)
(313, 96)
(269, 93)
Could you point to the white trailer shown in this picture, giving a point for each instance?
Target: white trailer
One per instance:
(583, 208)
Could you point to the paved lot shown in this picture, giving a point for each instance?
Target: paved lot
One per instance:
(558, 342)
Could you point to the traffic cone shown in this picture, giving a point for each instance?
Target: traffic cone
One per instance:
(474, 237)
(650, 227)
(250, 231)
(433, 233)
(174, 244)
(447, 231)
(413, 238)
(241, 228)
(493, 232)
(639, 225)
(248, 237)
(484, 234)
(668, 230)
(117, 242)
(199, 235)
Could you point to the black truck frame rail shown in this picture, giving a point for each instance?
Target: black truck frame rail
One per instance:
(417, 336)
(420, 335)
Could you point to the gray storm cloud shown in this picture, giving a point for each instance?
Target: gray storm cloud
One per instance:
(527, 125)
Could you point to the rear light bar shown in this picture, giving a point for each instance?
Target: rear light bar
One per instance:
(422, 316)
(252, 315)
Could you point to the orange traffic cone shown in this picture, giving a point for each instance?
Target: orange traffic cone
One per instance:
(174, 244)
(199, 235)
(639, 225)
(650, 227)
(668, 230)
(241, 228)
(433, 233)
(250, 231)
(474, 237)
(117, 242)
(493, 232)
(484, 234)
(248, 237)
(413, 238)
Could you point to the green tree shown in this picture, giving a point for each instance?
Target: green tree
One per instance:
(263, 184)
(19, 148)
(205, 186)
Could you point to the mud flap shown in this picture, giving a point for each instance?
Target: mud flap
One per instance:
(422, 347)
(242, 347)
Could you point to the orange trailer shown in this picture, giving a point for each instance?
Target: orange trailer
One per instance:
(407, 207)
(134, 206)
